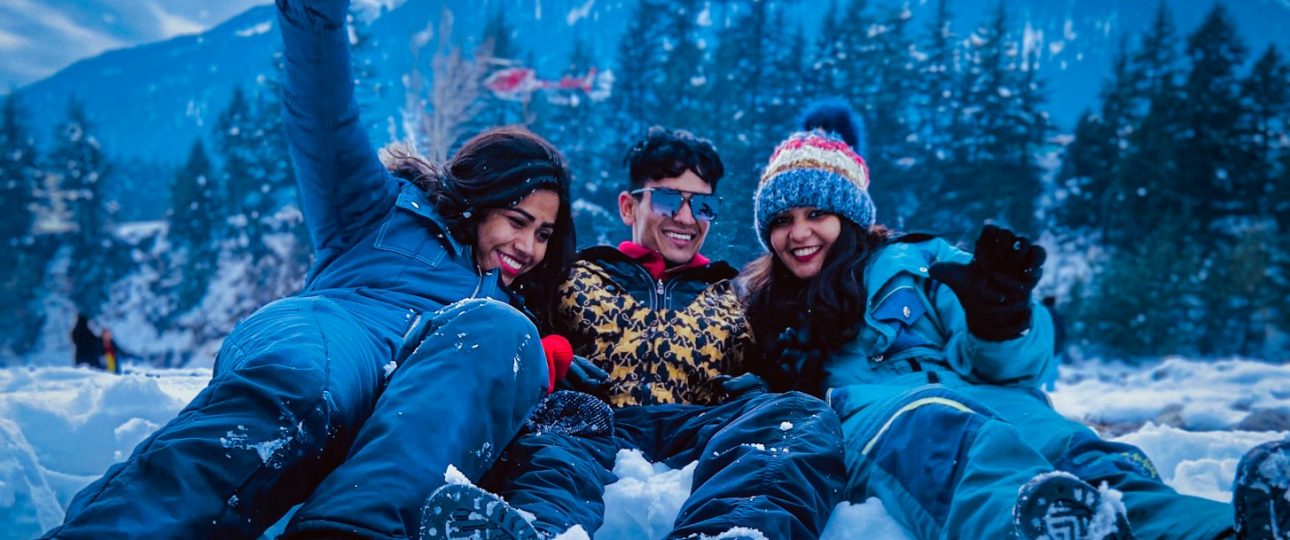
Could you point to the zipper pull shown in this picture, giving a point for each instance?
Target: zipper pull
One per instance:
(660, 286)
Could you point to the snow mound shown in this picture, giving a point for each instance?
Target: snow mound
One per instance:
(61, 428)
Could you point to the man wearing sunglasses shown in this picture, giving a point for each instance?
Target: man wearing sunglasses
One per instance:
(659, 332)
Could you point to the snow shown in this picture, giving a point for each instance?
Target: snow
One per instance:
(454, 476)
(61, 428)
(255, 30)
(369, 10)
(578, 13)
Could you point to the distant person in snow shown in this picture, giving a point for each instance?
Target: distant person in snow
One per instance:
(98, 351)
(407, 354)
(661, 336)
(932, 357)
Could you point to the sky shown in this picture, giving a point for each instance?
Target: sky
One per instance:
(40, 37)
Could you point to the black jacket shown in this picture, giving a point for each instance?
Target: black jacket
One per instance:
(662, 341)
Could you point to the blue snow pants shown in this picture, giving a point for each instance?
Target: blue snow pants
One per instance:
(307, 407)
(771, 462)
(948, 460)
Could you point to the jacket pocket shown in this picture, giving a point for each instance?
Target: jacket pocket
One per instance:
(411, 232)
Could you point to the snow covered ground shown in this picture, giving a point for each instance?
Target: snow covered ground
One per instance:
(62, 427)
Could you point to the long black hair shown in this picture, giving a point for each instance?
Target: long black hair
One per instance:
(495, 170)
(798, 322)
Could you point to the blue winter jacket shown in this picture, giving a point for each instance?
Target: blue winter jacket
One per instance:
(380, 248)
(915, 332)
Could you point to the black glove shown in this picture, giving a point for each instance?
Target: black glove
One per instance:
(995, 286)
(796, 364)
(747, 383)
(584, 377)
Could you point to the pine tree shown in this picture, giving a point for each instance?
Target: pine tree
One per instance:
(936, 101)
(1142, 297)
(1267, 92)
(638, 72)
(935, 79)
(886, 84)
(1091, 190)
(824, 54)
(1216, 181)
(235, 145)
(18, 173)
(24, 255)
(281, 206)
(683, 77)
(746, 96)
(842, 48)
(194, 217)
(1148, 175)
(1122, 172)
(1084, 178)
(82, 170)
(1212, 163)
(999, 134)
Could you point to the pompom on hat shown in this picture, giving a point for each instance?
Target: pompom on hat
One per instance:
(817, 168)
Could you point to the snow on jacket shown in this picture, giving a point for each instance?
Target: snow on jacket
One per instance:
(662, 341)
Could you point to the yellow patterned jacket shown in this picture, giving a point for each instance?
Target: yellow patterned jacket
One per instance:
(661, 341)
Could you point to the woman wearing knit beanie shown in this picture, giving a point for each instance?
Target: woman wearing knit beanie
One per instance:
(933, 357)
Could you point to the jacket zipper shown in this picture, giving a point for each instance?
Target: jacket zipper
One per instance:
(653, 297)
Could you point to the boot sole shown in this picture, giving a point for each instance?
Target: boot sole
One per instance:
(1061, 507)
(1259, 497)
(464, 512)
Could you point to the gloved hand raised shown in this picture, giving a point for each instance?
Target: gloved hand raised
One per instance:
(994, 288)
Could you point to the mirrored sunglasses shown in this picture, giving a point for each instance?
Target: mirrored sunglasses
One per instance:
(668, 202)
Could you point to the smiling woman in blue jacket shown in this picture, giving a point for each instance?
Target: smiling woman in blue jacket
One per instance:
(402, 357)
(932, 358)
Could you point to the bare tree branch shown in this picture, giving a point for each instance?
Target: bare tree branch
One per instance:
(454, 92)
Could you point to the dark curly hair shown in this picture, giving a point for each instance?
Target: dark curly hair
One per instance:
(665, 153)
(493, 170)
(797, 323)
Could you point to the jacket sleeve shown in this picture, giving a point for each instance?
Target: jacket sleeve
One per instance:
(1021, 361)
(343, 187)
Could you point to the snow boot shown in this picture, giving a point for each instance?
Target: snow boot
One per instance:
(1260, 494)
(1059, 505)
(463, 511)
(572, 413)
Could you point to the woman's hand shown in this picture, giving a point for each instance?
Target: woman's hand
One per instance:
(994, 288)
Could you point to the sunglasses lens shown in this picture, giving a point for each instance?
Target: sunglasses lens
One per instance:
(666, 203)
(704, 207)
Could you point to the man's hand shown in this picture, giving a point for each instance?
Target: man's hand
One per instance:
(745, 384)
(585, 377)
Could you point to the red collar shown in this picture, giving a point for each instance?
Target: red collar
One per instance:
(654, 262)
